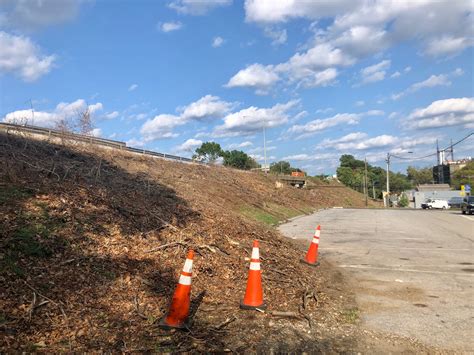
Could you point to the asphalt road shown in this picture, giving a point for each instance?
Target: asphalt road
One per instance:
(412, 271)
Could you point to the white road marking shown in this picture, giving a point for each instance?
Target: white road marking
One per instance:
(404, 270)
(469, 218)
(388, 248)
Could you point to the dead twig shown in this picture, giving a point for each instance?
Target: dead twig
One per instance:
(225, 323)
(137, 308)
(284, 314)
(35, 290)
(164, 246)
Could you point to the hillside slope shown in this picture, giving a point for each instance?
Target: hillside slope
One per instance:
(79, 264)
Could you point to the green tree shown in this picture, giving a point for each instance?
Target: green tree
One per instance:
(463, 176)
(239, 160)
(349, 161)
(209, 152)
(420, 176)
(281, 167)
(403, 202)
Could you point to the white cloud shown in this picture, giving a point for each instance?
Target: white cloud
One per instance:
(30, 15)
(137, 143)
(96, 132)
(170, 26)
(253, 119)
(432, 81)
(319, 125)
(374, 72)
(111, 115)
(360, 28)
(63, 110)
(278, 37)
(133, 87)
(360, 103)
(447, 45)
(217, 41)
(20, 56)
(161, 126)
(396, 74)
(255, 76)
(443, 113)
(189, 146)
(206, 107)
(298, 157)
(267, 11)
(197, 7)
(359, 141)
(240, 145)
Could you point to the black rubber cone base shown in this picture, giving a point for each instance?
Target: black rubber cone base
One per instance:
(244, 306)
(313, 265)
(163, 325)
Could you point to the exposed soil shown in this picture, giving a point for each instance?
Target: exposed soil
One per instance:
(79, 268)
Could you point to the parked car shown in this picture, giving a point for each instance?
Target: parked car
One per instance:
(468, 205)
(433, 203)
(455, 202)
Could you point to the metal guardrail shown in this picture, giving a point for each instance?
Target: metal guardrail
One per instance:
(92, 140)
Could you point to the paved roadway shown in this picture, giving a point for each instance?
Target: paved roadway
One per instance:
(413, 270)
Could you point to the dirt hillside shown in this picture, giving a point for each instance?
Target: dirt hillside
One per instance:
(80, 267)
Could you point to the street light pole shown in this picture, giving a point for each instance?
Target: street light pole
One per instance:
(388, 179)
(264, 147)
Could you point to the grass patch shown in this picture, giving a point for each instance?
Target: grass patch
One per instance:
(9, 194)
(33, 238)
(259, 215)
(351, 315)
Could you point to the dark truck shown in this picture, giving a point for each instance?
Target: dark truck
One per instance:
(468, 205)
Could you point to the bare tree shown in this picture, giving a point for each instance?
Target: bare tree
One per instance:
(84, 122)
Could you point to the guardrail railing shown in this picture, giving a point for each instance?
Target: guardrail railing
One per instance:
(92, 140)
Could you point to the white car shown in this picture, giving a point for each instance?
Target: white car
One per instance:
(433, 203)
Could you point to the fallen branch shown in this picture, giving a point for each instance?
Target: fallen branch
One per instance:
(164, 246)
(226, 322)
(137, 308)
(284, 314)
(35, 290)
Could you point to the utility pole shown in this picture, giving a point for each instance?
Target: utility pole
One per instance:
(366, 189)
(32, 113)
(388, 179)
(264, 147)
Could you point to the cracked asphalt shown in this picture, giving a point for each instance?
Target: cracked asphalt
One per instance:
(412, 271)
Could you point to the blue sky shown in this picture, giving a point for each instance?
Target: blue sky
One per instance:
(325, 78)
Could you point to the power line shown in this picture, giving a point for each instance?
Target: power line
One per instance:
(433, 154)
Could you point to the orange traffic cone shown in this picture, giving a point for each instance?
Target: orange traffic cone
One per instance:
(311, 257)
(254, 294)
(178, 313)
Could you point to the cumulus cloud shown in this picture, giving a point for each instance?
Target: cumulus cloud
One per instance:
(30, 15)
(189, 146)
(132, 87)
(252, 119)
(359, 141)
(255, 76)
(217, 41)
(162, 126)
(197, 7)
(443, 113)
(111, 115)
(20, 56)
(206, 107)
(432, 81)
(374, 72)
(170, 26)
(358, 29)
(278, 37)
(63, 110)
(240, 145)
(319, 125)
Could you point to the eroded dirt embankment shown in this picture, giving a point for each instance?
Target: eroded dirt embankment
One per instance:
(80, 269)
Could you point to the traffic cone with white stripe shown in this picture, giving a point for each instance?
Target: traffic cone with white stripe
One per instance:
(311, 257)
(178, 313)
(253, 298)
